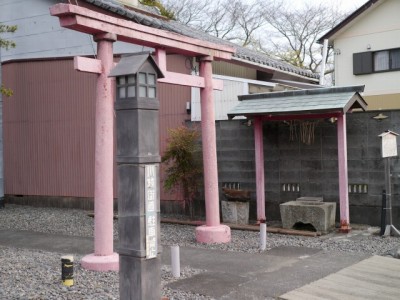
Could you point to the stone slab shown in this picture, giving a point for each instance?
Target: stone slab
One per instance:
(235, 212)
(320, 214)
(315, 199)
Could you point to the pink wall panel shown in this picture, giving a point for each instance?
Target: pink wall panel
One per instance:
(172, 112)
(49, 127)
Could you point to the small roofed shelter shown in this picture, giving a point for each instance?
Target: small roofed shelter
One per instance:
(322, 103)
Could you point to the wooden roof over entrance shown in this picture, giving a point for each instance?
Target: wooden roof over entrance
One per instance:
(312, 103)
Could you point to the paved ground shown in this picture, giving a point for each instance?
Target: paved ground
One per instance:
(258, 276)
(373, 278)
(268, 275)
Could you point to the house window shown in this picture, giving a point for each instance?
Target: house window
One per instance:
(362, 63)
(379, 61)
(147, 85)
(387, 60)
(126, 87)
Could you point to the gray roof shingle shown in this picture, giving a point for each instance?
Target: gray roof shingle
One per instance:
(176, 27)
(300, 102)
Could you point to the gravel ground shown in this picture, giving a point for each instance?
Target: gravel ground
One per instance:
(27, 274)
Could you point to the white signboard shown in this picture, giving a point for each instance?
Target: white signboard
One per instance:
(151, 214)
(389, 144)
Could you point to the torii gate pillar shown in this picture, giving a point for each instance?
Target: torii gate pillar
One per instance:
(103, 258)
(213, 231)
(343, 176)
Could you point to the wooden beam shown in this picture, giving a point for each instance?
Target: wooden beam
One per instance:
(91, 22)
(300, 117)
(181, 79)
(189, 80)
(85, 64)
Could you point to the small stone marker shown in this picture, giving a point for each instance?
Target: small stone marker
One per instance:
(67, 270)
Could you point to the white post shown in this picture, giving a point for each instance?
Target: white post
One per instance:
(175, 261)
(323, 62)
(263, 236)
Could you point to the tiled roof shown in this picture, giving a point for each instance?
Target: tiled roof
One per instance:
(242, 53)
(300, 102)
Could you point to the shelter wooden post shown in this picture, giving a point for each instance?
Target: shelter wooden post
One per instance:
(213, 231)
(260, 180)
(343, 175)
(103, 259)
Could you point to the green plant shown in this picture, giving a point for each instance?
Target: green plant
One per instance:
(164, 12)
(184, 163)
(6, 44)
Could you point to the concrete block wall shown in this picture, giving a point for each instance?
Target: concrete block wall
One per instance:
(312, 167)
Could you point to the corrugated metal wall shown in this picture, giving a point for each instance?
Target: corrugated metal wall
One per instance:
(172, 112)
(222, 68)
(49, 127)
(224, 100)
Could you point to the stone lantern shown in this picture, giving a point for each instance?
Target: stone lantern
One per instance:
(138, 159)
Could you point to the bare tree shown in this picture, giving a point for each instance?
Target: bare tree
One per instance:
(248, 18)
(296, 33)
(276, 27)
(188, 12)
(233, 20)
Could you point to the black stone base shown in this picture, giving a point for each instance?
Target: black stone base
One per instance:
(139, 278)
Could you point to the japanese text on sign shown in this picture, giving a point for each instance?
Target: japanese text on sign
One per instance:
(151, 214)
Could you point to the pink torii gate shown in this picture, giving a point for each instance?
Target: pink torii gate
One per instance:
(106, 30)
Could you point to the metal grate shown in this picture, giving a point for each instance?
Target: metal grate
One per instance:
(231, 185)
(358, 188)
(290, 187)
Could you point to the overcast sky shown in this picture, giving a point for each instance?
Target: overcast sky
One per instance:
(345, 5)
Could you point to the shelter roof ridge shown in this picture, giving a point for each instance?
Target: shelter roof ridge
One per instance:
(305, 102)
(322, 91)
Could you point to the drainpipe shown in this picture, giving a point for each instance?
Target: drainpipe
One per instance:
(323, 62)
(1, 143)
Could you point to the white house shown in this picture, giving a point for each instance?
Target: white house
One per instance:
(367, 51)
